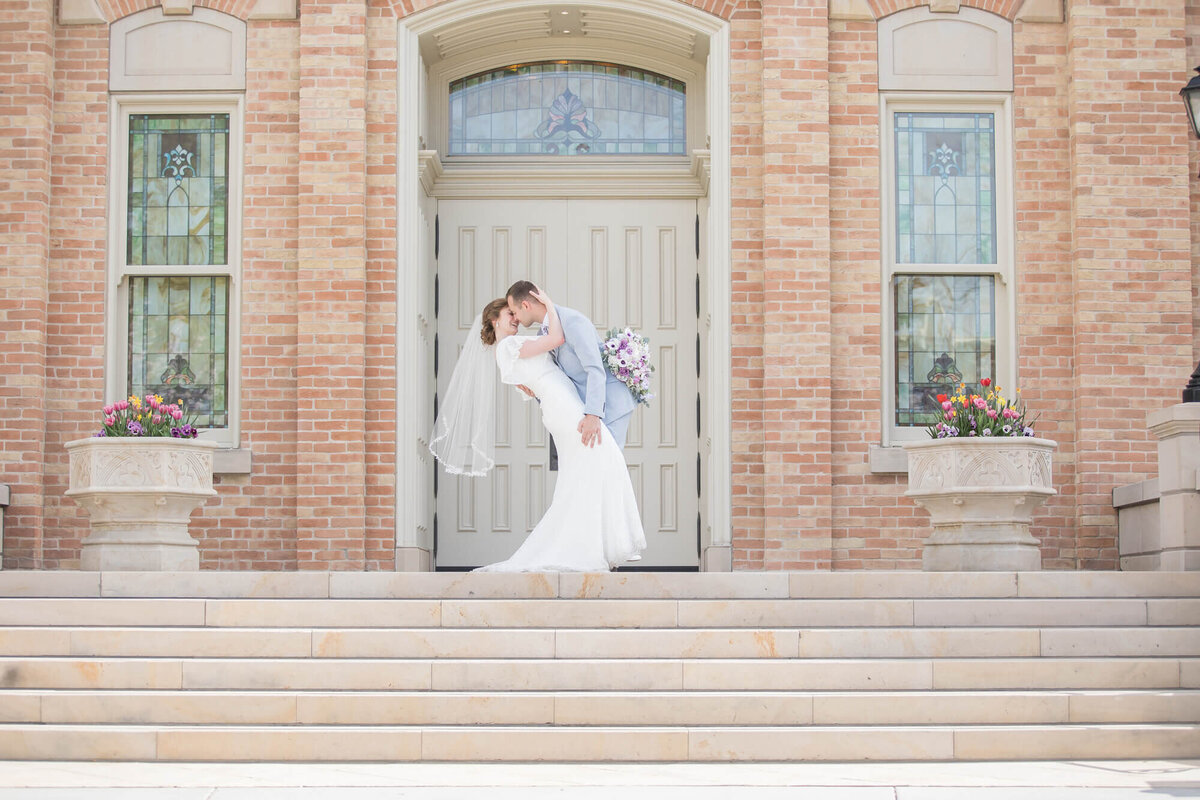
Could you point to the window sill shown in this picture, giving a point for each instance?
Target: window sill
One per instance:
(232, 461)
(888, 460)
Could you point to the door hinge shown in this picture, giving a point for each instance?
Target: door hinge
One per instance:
(437, 236)
(697, 236)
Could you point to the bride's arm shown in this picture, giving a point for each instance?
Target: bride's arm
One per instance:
(554, 332)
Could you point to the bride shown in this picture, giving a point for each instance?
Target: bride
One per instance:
(593, 523)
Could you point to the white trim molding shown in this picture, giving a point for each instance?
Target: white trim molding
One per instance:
(583, 176)
(116, 362)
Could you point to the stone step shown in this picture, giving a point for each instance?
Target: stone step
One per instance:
(642, 674)
(582, 709)
(620, 585)
(596, 744)
(477, 643)
(794, 613)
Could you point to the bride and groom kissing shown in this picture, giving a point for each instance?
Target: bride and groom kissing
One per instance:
(593, 523)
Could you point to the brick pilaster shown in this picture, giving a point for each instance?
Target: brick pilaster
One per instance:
(26, 104)
(796, 256)
(331, 287)
(1130, 255)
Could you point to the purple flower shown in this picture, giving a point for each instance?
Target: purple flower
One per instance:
(101, 433)
(1007, 430)
(135, 428)
(987, 431)
(1029, 431)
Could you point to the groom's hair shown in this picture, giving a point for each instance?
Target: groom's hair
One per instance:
(522, 291)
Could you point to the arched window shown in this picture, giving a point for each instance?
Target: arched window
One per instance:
(567, 108)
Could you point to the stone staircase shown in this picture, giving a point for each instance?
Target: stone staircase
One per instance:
(605, 667)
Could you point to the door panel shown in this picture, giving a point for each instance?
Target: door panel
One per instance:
(623, 263)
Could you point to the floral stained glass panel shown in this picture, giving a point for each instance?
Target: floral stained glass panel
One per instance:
(945, 334)
(567, 108)
(945, 188)
(178, 331)
(178, 189)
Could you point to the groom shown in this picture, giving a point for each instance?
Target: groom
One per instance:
(605, 399)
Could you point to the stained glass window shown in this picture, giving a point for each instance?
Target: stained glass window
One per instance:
(178, 168)
(178, 328)
(945, 334)
(567, 108)
(945, 188)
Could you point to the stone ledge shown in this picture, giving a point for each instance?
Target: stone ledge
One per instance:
(1136, 494)
(232, 462)
(888, 460)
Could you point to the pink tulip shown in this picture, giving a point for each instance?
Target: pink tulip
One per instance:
(122, 405)
(156, 419)
(177, 414)
(110, 420)
(992, 413)
(946, 406)
(108, 410)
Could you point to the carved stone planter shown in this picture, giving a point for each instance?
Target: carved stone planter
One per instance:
(981, 494)
(139, 493)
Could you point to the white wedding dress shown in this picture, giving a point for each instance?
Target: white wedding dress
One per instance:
(593, 521)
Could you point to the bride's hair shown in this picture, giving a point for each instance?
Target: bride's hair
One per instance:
(491, 313)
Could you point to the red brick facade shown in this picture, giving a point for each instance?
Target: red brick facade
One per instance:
(1107, 276)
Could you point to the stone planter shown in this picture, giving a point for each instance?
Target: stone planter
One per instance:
(139, 493)
(981, 494)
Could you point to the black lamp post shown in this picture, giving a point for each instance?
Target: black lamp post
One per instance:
(1191, 101)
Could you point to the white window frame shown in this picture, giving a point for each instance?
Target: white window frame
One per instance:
(116, 368)
(445, 72)
(1003, 270)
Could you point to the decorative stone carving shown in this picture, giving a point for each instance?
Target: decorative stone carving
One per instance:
(140, 494)
(851, 9)
(981, 494)
(80, 12)
(1041, 11)
(273, 9)
(920, 50)
(151, 51)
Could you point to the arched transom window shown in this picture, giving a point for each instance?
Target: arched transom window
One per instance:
(567, 108)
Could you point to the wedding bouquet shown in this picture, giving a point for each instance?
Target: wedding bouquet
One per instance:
(627, 356)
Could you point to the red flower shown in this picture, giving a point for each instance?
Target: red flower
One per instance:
(941, 398)
(986, 382)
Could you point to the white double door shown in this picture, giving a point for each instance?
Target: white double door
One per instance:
(622, 263)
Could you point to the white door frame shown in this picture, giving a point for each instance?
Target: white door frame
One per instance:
(414, 537)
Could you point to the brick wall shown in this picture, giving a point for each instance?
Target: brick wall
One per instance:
(796, 314)
(1193, 60)
(1131, 248)
(27, 46)
(746, 290)
(1103, 187)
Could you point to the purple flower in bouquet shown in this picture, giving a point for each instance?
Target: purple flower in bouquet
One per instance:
(626, 355)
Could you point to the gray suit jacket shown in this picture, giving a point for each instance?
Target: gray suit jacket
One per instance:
(579, 357)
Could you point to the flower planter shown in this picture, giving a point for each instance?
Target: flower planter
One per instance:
(981, 493)
(139, 493)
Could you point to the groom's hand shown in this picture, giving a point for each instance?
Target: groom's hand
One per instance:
(526, 390)
(589, 428)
